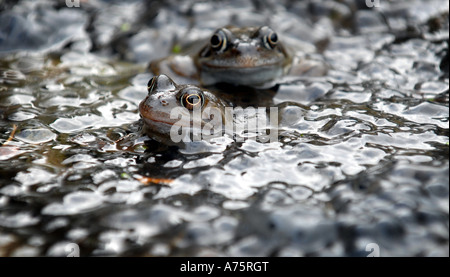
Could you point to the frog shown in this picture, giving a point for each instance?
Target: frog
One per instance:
(166, 97)
(242, 56)
(198, 113)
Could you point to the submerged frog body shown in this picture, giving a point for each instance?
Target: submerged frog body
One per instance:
(172, 113)
(249, 56)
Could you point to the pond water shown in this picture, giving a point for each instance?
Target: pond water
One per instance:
(362, 154)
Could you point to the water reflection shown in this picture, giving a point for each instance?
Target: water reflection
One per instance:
(362, 153)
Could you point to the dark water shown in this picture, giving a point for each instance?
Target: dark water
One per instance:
(362, 155)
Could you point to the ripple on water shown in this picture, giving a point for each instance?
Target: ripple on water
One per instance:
(134, 94)
(86, 64)
(109, 118)
(79, 158)
(75, 124)
(253, 146)
(18, 99)
(301, 93)
(184, 184)
(427, 112)
(66, 25)
(119, 186)
(146, 222)
(211, 160)
(348, 52)
(113, 242)
(21, 116)
(34, 176)
(355, 97)
(362, 155)
(215, 145)
(17, 220)
(235, 205)
(74, 203)
(35, 136)
(68, 98)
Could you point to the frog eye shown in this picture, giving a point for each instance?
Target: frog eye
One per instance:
(270, 37)
(219, 40)
(192, 98)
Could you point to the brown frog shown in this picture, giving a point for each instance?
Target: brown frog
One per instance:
(249, 56)
(166, 97)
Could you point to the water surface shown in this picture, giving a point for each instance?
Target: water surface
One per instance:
(362, 155)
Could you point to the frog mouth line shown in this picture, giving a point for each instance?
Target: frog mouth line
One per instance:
(244, 67)
(153, 120)
(149, 119)
(143, 110)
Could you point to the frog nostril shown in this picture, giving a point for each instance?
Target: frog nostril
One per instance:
(164, 102)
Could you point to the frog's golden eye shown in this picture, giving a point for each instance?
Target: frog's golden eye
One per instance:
(192, 98)
(272, 39)
(219, 41)
(269, 37)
